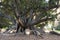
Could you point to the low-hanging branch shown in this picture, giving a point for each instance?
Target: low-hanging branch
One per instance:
(40, 20)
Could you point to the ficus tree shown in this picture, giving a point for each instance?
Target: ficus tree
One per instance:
(28, 13)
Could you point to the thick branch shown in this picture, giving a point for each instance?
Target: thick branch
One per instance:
(30, 16)
(51, 7)
(39, 21)
(17, 14)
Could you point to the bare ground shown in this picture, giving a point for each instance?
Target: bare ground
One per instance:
(28, 37)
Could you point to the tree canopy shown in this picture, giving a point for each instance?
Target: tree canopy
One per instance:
(27, 13)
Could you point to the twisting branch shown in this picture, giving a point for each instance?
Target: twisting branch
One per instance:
(40, 20)
(16, 10)
(30, 16)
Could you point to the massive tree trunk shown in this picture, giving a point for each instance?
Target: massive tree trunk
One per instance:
(25, 11)
(29, 22)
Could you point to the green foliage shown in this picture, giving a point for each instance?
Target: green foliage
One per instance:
(24, 7)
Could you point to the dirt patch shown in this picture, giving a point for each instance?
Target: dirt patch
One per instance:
(28, 37)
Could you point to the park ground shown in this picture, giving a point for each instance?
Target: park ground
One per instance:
(28, 37)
